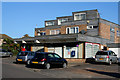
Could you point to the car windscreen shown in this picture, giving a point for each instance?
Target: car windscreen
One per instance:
(22, 53)
(101, 53)
(40, 56)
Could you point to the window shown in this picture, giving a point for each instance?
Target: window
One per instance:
(118, 33)
(62, 20)
(56, 56)
(71, 30)
(112, 29)
(80, 16)
(67, 30)
(42, 33)
(101, 53)
(50, 56)
(49, 23)
(90, 27)
(54, 32)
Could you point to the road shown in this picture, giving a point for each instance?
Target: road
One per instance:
(75, 70)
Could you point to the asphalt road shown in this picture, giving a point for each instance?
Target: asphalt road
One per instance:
(75, 70)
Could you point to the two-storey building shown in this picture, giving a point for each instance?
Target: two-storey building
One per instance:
(74, 37)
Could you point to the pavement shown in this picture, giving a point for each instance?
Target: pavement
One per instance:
(74, 70)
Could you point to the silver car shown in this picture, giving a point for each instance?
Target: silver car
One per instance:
(24, 56)
(4, 53)
(106, 56)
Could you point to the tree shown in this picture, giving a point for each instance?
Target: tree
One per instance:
(9, 45)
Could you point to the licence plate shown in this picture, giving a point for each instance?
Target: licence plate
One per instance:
(35, 62)
(100, 58)
(19, 59)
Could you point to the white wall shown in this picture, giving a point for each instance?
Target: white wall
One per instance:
(35, 48)
(116, 50)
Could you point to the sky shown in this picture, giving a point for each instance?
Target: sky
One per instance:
(20, 18)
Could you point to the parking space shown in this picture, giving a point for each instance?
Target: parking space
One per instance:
(74, 70)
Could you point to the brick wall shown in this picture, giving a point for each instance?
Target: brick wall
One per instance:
(81, 27)
(104, 31)
(63, 29)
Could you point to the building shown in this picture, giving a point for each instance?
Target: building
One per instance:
(74, 37)
(2, 37)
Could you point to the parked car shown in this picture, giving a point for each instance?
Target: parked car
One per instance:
(106, 56)
(4, 53)
(119, 61)
(47, 60)
(23, 56)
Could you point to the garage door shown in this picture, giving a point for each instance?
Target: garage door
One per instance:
(91, 49)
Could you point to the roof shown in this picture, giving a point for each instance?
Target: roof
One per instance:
(63, 17)
(4, 36)
(86, 11)
(44, 52)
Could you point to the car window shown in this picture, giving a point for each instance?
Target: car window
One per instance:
(56, 56)
(112, 53)
(22, 53)
(50, 56)
(32, 53)
(101, 53)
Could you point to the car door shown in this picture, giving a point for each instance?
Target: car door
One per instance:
(58, 59)
(51, 59)
(114, 56)
(30, 55)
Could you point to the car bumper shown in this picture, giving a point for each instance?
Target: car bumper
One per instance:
(104, 60)
(37, 63)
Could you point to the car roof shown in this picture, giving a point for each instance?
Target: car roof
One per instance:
(105, 51)
(45, 52)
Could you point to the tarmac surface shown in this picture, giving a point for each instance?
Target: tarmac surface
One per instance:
(11, 70)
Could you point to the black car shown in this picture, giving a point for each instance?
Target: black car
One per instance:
(47, 60)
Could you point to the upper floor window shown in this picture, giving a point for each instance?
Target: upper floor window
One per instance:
(62, 20)
(80, 16)
(41, 33)
(71, 30)
(49, 23)
(118, 33)
(54, 32)
(90, 27)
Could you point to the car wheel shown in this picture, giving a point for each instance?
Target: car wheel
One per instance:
(28, 62)
(64, 65)
(10, 55)
(47, 66)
